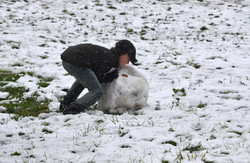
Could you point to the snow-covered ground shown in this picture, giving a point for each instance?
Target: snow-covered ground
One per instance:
(194, 53)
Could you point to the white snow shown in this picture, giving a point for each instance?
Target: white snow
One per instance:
(4, 95)
(127, 93)
(194, 54)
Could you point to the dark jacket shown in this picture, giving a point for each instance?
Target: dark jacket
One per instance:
(99, 59)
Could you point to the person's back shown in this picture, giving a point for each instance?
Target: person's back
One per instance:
(95, 57)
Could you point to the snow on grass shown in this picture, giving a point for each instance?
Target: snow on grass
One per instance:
(195, 55)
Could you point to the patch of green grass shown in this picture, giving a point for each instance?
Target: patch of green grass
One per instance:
(17, 65)
(8, 76)
(112, 7)
(15, 92)
(26, 107)
(143, 32)
(44, 82)
(195, 65)
(9, 135)
(47, 131)
(204, 28)
(180, 92)
(44, 57)
(171, 129)
(15, 103)
(43, 45)
(194, 148)
(99, 121)
(46, 123)
(159, 62)
(225, 92)
(212, 137)
(236, 132)
(202, 105)
(21, 134)
(170, 142)
(130, 31)
(125, 146)
(121, 133)
(74, 152)
(16, 154)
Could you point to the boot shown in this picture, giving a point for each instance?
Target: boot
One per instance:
(63, 105)
(71, 110)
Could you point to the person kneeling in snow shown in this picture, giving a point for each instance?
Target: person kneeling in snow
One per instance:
(92, 65)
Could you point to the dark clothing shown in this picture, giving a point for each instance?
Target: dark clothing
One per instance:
(85, 78)
(99, 59)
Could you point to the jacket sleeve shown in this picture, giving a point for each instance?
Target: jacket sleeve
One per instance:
(109, 77)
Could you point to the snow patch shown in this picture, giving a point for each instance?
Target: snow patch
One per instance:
(129, 92)
(4, 95)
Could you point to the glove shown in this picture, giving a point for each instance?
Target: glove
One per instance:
(109, 77)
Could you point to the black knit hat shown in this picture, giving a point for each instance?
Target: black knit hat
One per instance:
(125, 46)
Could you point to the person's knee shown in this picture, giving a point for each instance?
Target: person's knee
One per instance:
(96, 93)
(99, 93)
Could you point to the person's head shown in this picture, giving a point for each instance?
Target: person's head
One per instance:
(126, 48)
(123, 59)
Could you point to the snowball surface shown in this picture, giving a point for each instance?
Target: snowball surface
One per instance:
(129, 92)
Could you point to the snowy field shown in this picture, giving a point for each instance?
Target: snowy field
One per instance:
(194, 53)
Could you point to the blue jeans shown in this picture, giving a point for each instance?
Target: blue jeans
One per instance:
(85, 78)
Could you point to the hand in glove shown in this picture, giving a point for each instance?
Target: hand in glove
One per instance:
(109, 77)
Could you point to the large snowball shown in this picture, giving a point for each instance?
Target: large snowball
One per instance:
(129, 92)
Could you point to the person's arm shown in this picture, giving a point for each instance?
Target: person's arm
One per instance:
(110, 76)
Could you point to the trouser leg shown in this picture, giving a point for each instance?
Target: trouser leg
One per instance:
(73, 92)
(87, 78)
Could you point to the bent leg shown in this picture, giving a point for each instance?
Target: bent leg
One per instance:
(87, 79)
(76, 87)
(73, 92)
(71, 95)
